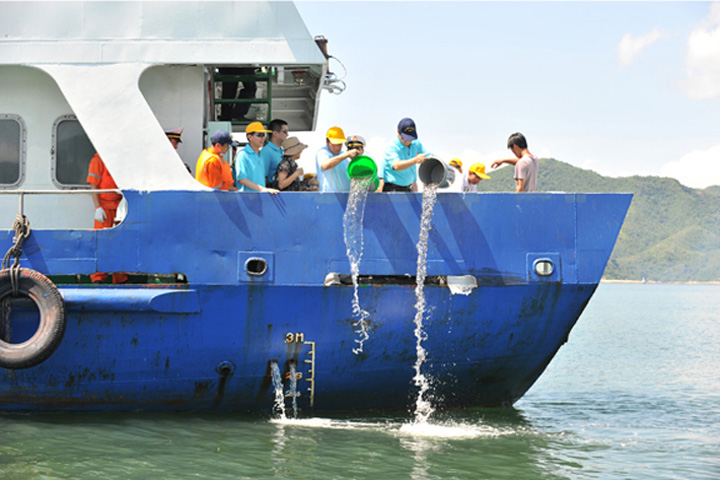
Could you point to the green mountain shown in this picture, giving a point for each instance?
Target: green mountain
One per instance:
(671, 232)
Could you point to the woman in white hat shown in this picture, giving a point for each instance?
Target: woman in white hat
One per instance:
(288, 176)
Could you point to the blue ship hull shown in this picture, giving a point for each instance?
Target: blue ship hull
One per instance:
(209, 343)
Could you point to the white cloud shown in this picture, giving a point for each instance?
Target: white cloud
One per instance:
(630, 46)
(702, 62)
(697, 169)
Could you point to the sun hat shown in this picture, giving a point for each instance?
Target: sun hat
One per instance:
(292, 146)
(407, 129)
(256, 127)
(479, 170)
(336, 136)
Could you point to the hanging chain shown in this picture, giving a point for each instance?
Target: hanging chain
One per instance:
(22, 232)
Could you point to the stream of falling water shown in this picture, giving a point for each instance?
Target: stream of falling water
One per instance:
(423, 407)
(352, 225)
(293, 388)
(278, 386)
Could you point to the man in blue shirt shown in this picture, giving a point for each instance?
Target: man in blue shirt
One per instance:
(331, 162)
(399, 171)
(272, 152)
(249, 167)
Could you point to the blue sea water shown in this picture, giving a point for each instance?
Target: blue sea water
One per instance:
(634, 394)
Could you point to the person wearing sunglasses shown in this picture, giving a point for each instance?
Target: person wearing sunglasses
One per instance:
(272, 153)
(249, 167)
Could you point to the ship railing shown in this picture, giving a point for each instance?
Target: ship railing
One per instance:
(22, 193)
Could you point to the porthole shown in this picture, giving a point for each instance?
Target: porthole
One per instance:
(543, 267)
(12, 150)
(71, 153)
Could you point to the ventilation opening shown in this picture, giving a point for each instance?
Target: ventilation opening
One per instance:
(256, 266)
(133, 278)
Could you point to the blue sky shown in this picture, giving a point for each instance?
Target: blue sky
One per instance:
(616, 87)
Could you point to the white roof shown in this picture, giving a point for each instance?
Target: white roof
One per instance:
(155, 32)
(97, 51)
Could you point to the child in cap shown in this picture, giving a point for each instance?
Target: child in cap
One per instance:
(475, 175)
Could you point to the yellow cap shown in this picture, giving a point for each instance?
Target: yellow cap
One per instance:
(256, 127)
(479, 170)
(456, 161)
(336, 136)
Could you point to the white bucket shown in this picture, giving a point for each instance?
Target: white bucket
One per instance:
(434, 171)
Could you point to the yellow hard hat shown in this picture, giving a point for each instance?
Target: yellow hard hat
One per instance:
(479, 170)
(256, 127)
(336, 136)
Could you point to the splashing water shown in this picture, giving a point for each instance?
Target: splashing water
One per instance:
(352, 225)
(279, 406)
(423, 407)
(444, 430)
(293, 387)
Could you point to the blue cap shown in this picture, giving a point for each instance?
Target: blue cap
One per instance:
(223, 137)
(407, 129)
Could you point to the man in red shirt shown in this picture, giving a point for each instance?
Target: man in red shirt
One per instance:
(106, 205)
(212, 170)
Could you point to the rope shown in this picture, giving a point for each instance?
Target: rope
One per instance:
(22, 232)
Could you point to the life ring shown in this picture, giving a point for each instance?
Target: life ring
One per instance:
(51, 327)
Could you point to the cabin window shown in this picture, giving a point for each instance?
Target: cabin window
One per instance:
(71, 153)
(12, 150)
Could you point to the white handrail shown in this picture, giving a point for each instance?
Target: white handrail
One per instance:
(22, 193)
(59, 192)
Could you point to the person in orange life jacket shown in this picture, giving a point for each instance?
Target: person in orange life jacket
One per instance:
(106, 205)
(212, 170)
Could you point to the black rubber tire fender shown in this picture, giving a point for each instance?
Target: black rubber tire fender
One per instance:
(51, 328)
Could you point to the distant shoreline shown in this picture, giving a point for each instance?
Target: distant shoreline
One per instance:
(659, 283)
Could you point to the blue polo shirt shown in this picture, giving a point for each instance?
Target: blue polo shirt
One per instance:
(333, 180)
(398, 151)
(271, 156)
(248, 164)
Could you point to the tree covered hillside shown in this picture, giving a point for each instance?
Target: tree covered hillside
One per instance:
(671, 232)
